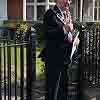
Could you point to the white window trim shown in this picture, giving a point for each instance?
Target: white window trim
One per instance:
(3, 11)
(93, 20)
(81, 6)
(77, 8)
(52, 3)
(97, 11)
(93, 9)
(24, 10)
(47, 4)
(75, 11)
(35, 10)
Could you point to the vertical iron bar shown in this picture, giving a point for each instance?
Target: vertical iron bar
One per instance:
(92, 69)
(89, 59)
(90, 56)
(96, 60)
(32, 60)
(9, 72)
(99, 53)
(8, 69)
(4, 70)
(93, 56)
(0, 74)
(31, 57)
(85, 51)
(85, 47)
(82, 63)
(15, 51)
(97, 70)
(27, 71)
(22, 72)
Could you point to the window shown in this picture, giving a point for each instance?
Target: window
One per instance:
(41, 0)
(29, 0)
(97, 11)
(91, 11)
(87, 10)
(30, 13)
(35, 9)
(73, 9)
(40, 12)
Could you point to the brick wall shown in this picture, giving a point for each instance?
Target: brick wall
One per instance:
(15, 9)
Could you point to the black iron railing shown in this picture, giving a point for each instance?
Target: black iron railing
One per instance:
(90, 51)
(17, 68)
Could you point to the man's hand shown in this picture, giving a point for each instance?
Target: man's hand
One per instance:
(70, 37)
(77, 41)
(68, 27)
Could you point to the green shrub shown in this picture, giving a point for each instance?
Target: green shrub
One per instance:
(39, 32)
(40, 67)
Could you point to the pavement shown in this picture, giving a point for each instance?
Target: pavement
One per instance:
(38, 92)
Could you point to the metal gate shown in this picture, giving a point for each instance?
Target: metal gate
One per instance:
(17, 68)
(90, 50)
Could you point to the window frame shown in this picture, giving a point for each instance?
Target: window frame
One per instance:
(35, 4)
(93, 7)
(47, 5)
(97, 8)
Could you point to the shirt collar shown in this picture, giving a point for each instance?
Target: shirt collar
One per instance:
(62, 13)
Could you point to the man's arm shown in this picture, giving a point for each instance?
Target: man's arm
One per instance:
(52, 26)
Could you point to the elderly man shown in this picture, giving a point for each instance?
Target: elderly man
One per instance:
(57, 24)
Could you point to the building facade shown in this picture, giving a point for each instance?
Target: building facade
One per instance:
(30, 10)
(33, 10)
(91, 10)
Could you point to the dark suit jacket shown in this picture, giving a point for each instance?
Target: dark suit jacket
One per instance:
(54, 39)
(53, 27)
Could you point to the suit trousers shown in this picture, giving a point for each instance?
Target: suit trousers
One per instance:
(55, 72)
(55, 84)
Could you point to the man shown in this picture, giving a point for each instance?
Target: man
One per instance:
(57, 24)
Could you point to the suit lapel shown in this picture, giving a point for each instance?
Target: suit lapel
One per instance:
(57, 10)
(59, 14)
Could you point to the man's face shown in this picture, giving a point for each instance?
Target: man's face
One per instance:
(64, 4)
